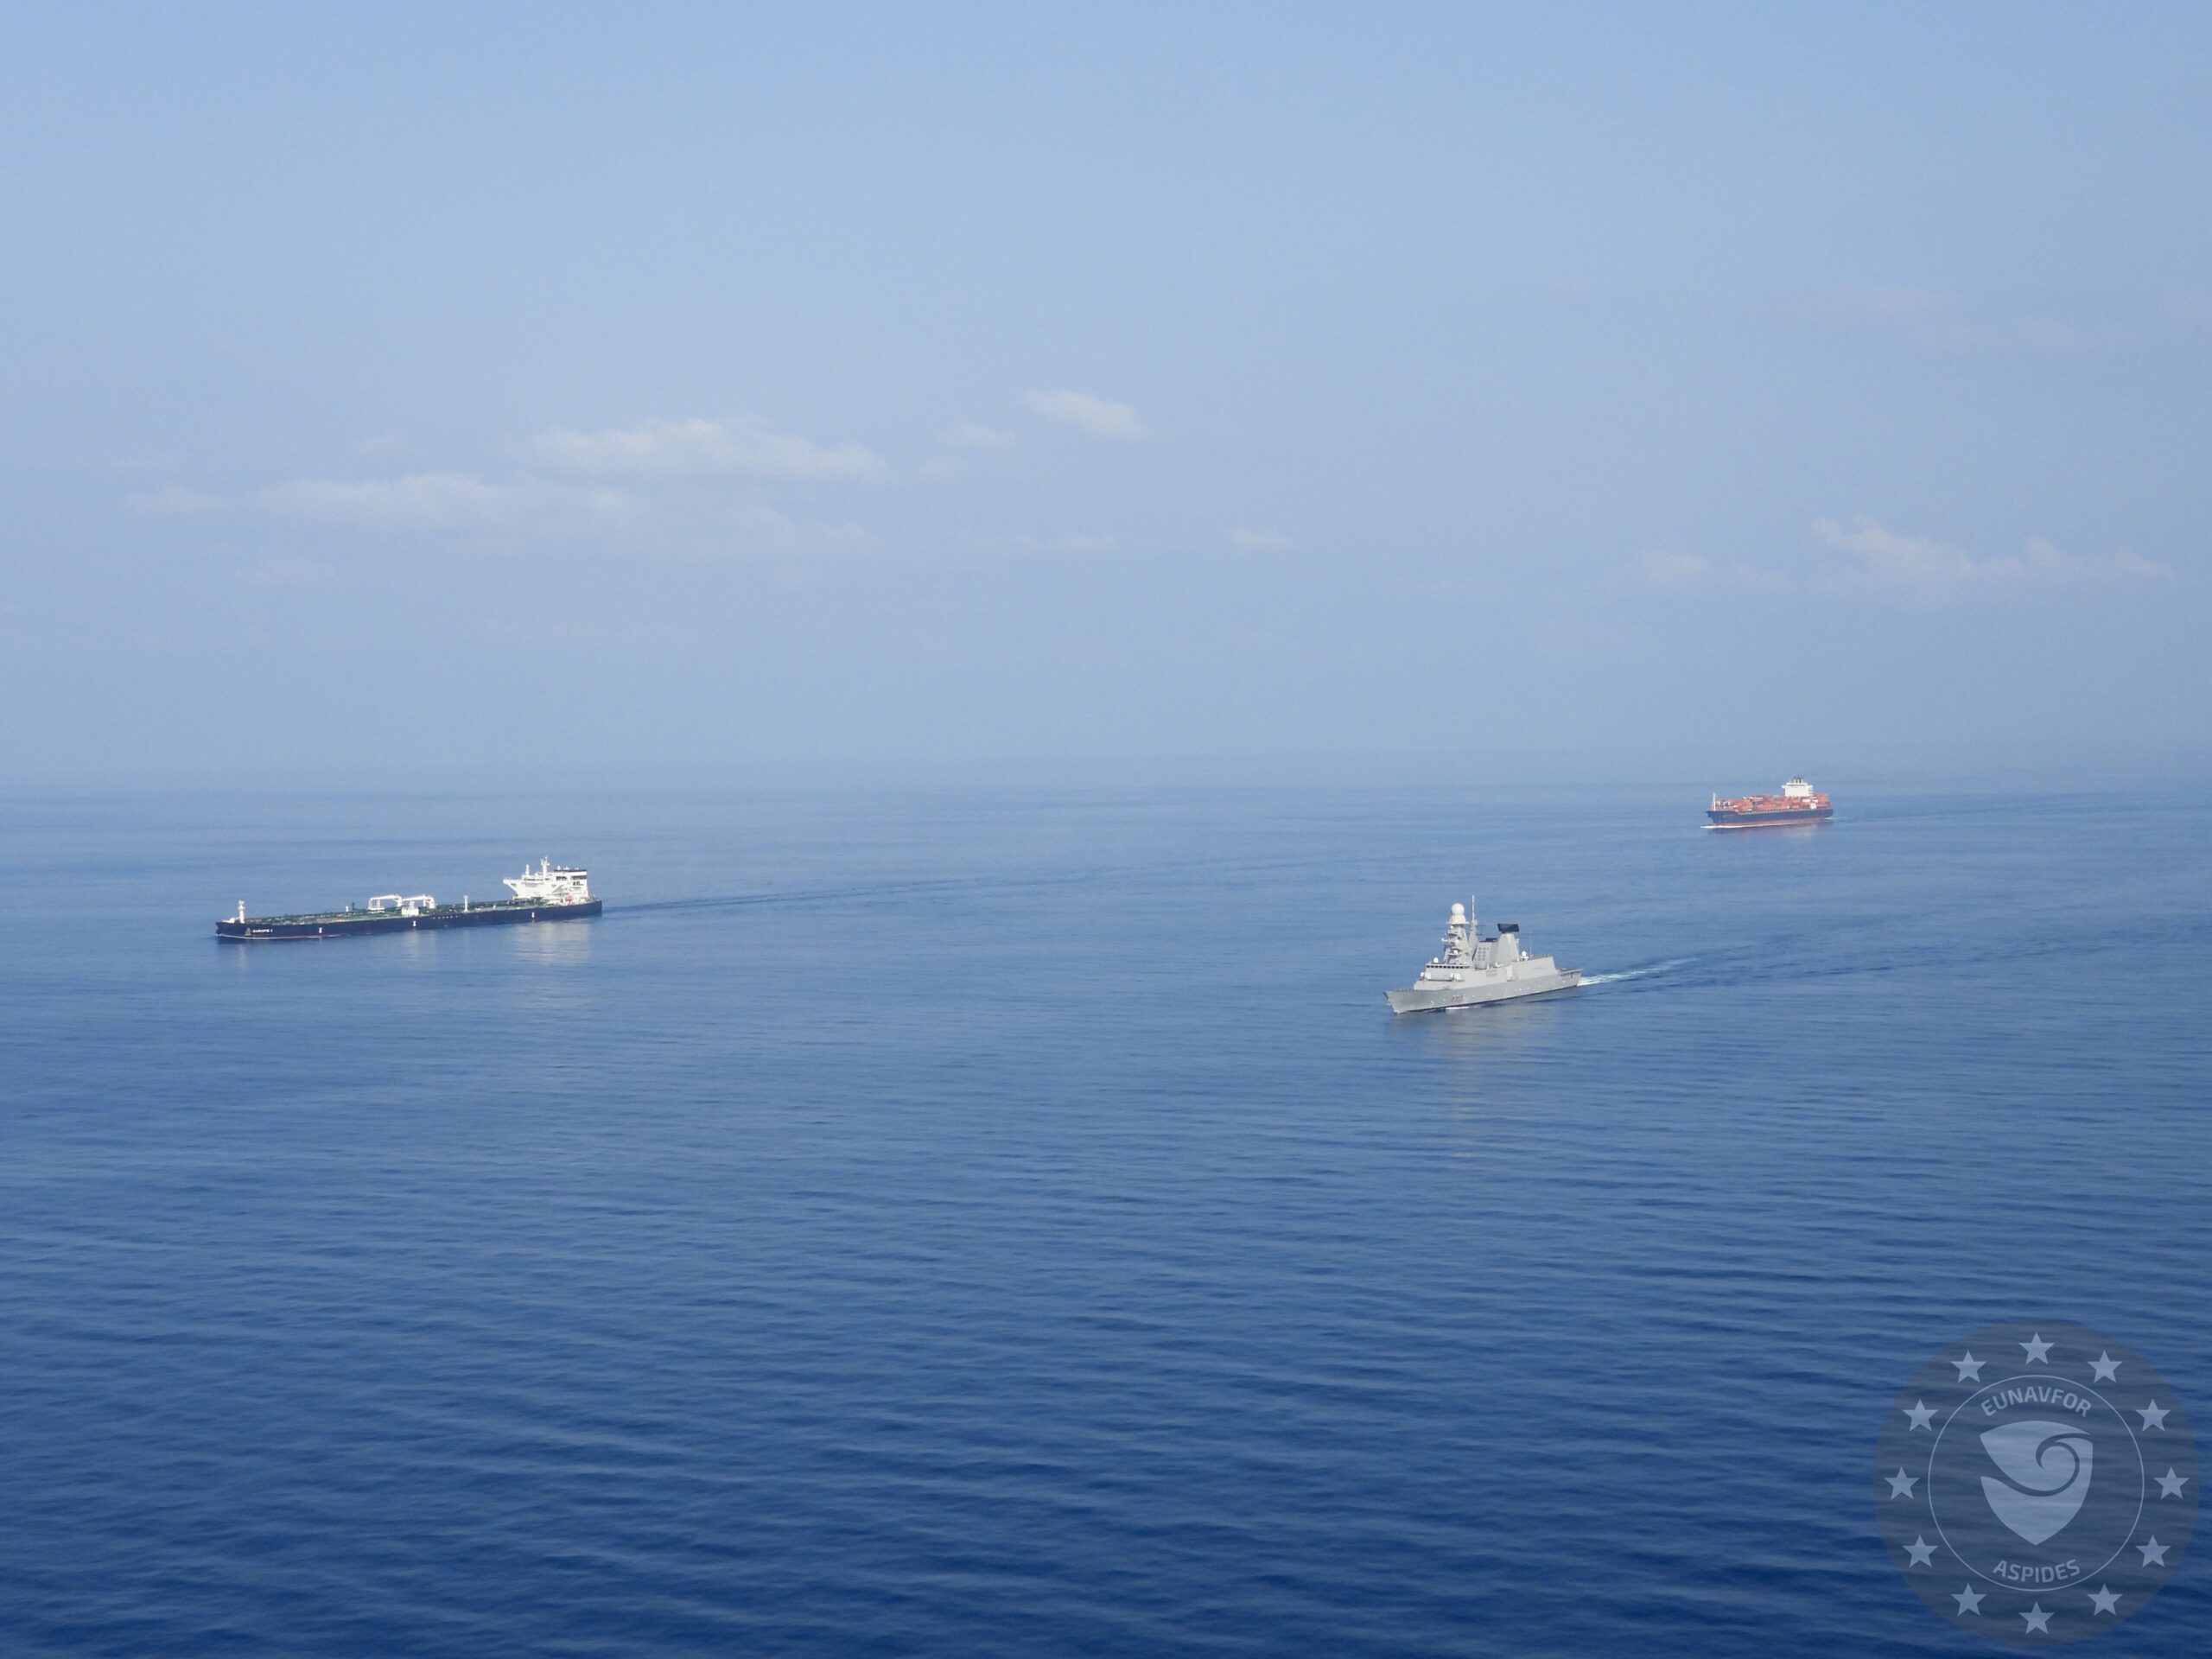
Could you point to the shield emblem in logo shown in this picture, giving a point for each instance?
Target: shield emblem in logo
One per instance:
(2046, 1470)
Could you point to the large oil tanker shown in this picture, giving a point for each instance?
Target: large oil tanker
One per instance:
(1797, 803)
(551, 893)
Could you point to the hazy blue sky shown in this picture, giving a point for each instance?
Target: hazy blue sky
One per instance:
(733, 391)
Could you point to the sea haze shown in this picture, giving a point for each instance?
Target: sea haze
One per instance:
(1011, 1224)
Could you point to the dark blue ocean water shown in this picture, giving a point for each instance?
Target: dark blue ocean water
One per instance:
(1011, 1224)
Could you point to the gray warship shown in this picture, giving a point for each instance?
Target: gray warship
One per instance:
(1474, 971)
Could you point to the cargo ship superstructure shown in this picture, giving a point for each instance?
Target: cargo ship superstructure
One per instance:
(551, 893)
(1799, 802)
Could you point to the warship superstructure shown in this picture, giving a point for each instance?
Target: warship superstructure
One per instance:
(551, 893)
(1472, 970)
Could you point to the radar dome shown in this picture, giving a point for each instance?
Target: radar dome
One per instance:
(1458, 913)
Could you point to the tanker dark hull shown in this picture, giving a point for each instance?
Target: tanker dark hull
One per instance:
(258, 929)
(1721, 818)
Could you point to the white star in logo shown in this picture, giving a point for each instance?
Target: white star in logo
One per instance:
(1922, 1414)
(2153, 1415)
(2154, 1553)
(2038, 1619)
(2038, 1350)
(1901, 1484)
(1969, 1367)
(2170, 1483)
(2104, 1368)
(2107, 1601)
(1922, 1552)
(1969, 1599)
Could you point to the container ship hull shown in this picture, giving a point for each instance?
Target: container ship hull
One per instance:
(345, 925)
(1722, 819)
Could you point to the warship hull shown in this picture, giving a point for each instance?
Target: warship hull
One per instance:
(1429, 999)
(352, 923)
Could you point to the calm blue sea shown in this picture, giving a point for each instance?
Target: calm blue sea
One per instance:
(1010, 1223)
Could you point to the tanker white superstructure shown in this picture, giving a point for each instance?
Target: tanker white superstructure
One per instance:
(551, 883)
(1473, 970)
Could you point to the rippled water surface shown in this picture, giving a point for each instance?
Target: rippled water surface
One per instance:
(1012, 1224)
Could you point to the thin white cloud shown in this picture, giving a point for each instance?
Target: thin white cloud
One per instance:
(432, 502)
(1674, 572)
(1094, 416)
(523, 513)
(290, 573)
(1932, 319)
(1924, 568)
(1249, 540)
(175, 502)
(700, 448)
(1882, 555)
(1069, 541)
(763, 530)
(973, 435)
(1659, 569)
(1894, 304)
(693, 490)
(550, 634)
(417, 501)
(1867, 559)
(2125, 566)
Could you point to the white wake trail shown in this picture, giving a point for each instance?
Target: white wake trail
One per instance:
(1637, 973)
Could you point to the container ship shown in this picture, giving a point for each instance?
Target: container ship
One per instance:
(551, 893)
(1797, 803)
